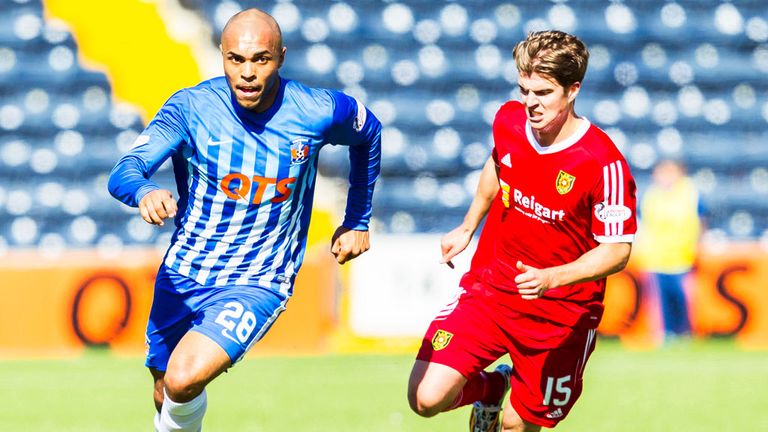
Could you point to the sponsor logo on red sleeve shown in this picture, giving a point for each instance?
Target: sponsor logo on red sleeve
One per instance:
(612, 213)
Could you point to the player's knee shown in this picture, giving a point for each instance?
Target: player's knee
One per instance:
(425, 404)
(425, 409)
(182, 386)
(518, 425)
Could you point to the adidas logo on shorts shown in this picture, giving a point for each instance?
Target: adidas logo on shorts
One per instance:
(555, 414)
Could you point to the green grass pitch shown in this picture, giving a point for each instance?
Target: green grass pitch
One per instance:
(703, 386)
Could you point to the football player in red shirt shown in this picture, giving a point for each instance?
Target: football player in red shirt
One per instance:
(559, 203)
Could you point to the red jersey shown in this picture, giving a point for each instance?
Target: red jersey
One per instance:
(555, 203)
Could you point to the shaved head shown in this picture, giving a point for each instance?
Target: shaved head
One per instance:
(250, 22)
(253, 52)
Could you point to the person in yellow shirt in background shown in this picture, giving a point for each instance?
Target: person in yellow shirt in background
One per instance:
(671, 224)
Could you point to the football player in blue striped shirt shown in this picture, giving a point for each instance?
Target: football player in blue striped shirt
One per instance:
(244, 149)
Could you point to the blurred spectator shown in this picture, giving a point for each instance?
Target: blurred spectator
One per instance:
(670, 212)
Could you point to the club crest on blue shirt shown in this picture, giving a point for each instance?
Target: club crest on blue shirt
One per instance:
(299, 151)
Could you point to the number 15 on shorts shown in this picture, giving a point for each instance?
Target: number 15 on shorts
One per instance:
(556, 392)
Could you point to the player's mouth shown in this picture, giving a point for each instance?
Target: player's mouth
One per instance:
(535, 117)
(248, 91)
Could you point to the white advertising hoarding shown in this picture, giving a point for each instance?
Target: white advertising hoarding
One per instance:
(398, 286)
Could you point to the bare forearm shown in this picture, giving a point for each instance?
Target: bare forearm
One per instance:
(476, 213)
(457, 240)
(598, 263)
(487, 189)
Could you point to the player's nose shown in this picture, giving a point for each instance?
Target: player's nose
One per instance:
(530, 100)
(248, 72)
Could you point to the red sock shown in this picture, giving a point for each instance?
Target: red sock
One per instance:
(486, 387)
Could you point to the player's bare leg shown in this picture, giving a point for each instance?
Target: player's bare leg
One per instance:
(512, 422)
(433, 387)
(195, 362)
(158, 395)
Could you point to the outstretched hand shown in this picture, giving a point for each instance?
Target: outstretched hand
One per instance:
(453, 244)
(157, 205)
(532, 282)
(347, 244)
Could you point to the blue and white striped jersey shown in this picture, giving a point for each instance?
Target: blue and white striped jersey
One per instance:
(246, 180)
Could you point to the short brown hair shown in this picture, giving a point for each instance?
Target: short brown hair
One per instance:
(558, 55)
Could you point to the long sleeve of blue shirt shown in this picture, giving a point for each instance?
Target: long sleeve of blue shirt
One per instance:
(354, 125)
(130, 180)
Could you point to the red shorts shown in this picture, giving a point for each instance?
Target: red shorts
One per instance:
(548, 358)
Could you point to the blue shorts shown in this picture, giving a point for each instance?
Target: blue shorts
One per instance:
(235, 317)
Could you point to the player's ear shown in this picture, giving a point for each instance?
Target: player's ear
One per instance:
(573, 91)
(282, 57)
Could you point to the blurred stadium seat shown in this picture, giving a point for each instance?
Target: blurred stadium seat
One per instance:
(60, 134)
(435, 73)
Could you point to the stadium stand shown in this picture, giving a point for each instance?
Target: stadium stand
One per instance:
(681, 79)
